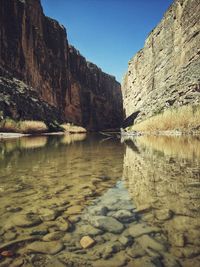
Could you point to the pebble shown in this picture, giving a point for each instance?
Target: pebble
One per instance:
(48, 214)
(7, 253)
(87, 242)
(135, 251)
(13, 209)
(74, 210)
(10, 236)
(125, 216)
(126, 241)
(53, 236)
(62, 224)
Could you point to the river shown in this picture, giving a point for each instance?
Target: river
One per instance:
(132, 202)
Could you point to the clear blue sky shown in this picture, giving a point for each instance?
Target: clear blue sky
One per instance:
(107, 32)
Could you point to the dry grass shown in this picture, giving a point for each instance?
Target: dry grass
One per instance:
(73, 128)
(26, 126)
(185, 118)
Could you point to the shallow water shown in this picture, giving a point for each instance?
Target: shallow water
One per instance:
(137, 199)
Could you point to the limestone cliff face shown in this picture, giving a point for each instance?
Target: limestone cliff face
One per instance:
(34, 49)
(166, 71)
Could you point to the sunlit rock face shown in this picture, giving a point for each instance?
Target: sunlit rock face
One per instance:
(166, 71)
(34, 49)
(162, 175)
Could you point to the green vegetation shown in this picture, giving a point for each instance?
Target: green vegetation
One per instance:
(183, 119)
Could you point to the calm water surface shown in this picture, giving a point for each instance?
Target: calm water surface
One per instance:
(138, 200)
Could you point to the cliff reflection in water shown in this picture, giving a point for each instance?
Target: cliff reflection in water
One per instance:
(163, 177)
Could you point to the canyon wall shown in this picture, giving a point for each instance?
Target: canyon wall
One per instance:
(166, 72)
(35, 50)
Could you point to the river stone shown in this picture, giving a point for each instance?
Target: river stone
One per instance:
(51, 248)
(10, 236)
(74, 218)
(53, 236)
(136, 251)
(62, 224)
(125, 216)
(13, 209)
(41, 230)
(137, 230)
(74, 210)
(48, 214)
(108, 224)
(99, 210)
(126, 240)
(110, 237)
(26, 220)
(87, 242)
(147, 242)
(88, 229)
(120, 205)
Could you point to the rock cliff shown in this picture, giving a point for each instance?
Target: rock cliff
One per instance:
(34, 49)
(165, 73)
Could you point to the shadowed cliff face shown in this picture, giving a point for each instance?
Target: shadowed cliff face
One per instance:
(166, 71)
(34, 49)
(162, 176)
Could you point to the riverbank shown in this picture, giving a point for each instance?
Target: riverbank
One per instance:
(184, 120)
(15, 129)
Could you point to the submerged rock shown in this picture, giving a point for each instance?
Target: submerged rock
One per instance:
(74, 210)
(147, 242)
(51, 248)
(99, 210)
(126, 240)
(48, 214)
(106, 223)
(125, 216)
(53, 236)
(136, 251)
(88, 229)
(26, 220)
(87, 242)
(10, 236)
(137, 230)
